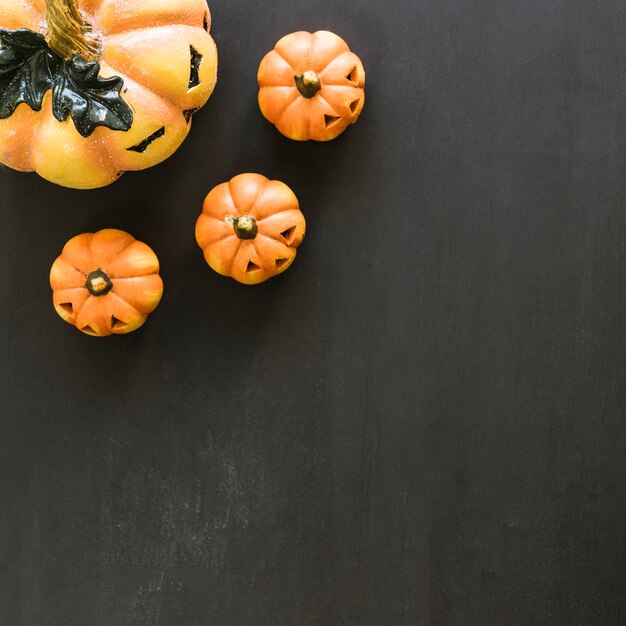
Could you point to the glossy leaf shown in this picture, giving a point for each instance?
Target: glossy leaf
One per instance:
(92, 101)
(27, 69)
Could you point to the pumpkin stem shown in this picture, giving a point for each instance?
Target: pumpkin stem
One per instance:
(98, 283)
(245, 227)
(308, 84)
(68, 33)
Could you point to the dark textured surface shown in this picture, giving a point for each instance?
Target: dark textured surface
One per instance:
(422, 422)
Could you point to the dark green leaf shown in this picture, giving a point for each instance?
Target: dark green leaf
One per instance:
(92, 101)
(27, 68)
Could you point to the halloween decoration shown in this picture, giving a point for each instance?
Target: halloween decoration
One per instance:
(311, 86)
(250, 228)
(92, 88)
(106, 283)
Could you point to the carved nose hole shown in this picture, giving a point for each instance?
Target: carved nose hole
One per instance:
(89, 330)
(329, 120)
(194, 71)
(252, 267)
(354, 106)
(68, 308)
(353, 75)
(280, 263)
(117, 324)
(289, 235)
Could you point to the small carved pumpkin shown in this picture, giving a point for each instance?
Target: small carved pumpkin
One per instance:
(250, 228)
(106, 283)
(129, 74)
(311, 86)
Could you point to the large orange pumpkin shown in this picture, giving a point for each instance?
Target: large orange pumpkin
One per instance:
(106, 283)
(250, 228)
(311, 86)
(92, 88)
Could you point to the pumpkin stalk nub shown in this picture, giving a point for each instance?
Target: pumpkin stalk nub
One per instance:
(98, 283)
(245, 227)
(308, 84)
(68, 33)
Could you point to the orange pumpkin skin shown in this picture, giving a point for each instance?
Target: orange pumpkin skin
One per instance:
(148, 44)
(106, 283)
(335, 99)
(250, 228)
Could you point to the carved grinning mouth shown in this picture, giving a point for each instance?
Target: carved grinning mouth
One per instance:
(143, 145)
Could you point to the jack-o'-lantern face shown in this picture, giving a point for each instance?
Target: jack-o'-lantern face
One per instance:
(311, 86)
(92, 88)
(250, 228)
(106, 283)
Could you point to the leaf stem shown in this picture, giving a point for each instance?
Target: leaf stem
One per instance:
(68, 33)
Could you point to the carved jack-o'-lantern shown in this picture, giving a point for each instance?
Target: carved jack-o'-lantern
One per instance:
(311, 86)
(250, 228)
(106, 283)
(92, 88)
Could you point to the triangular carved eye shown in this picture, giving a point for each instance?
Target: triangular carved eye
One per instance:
(289, 235)
(189, 114)
(331, 119)
(280, 263)
(67, 307)
(117, 324)
(89, 330)
(353, 76)
(354, 106)
(252, 267)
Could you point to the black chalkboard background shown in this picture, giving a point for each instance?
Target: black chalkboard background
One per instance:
(421, 423)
